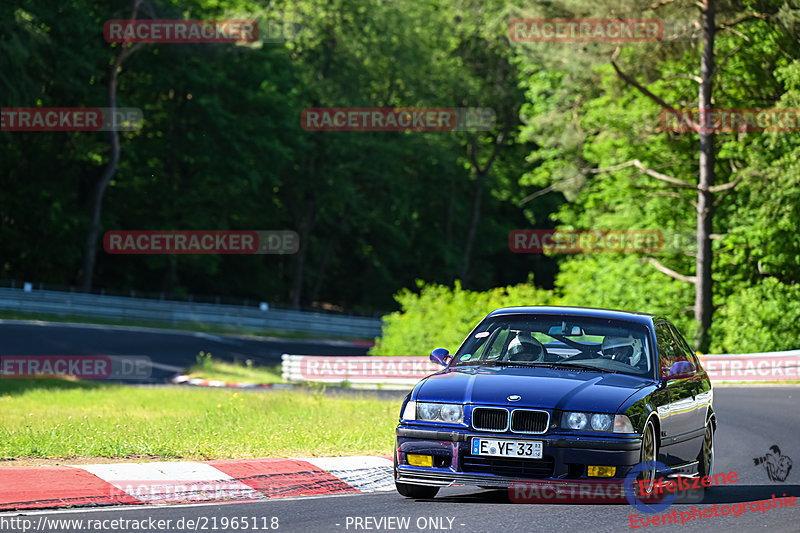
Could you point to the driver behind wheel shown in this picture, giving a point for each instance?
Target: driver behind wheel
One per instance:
(623, 349)
(525, 348)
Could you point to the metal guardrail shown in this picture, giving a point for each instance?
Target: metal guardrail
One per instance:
(124, 308)
(367, 370)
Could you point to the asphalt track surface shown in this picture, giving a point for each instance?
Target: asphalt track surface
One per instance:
(170, 351)
(751, 419)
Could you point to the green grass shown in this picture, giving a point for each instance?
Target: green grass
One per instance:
(191, 326)
(60, 418)
(213, 369)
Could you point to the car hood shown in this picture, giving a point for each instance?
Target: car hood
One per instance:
(547, 388)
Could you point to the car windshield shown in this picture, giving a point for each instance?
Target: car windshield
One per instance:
(606, 345)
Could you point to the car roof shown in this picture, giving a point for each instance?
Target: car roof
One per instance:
(593, 312)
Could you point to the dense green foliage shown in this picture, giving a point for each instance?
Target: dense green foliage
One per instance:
(441, 317)
(222, 148)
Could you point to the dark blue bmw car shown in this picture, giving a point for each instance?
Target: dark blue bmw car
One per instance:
(557, 393)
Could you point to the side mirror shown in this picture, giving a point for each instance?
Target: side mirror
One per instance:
(681, 370)
(441, 356)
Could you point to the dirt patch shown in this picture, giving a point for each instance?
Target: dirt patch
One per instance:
(75, 460)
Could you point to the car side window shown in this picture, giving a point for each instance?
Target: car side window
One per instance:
(683, 346)
(669, 351)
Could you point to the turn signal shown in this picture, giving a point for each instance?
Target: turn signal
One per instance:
(602, 471)
(420, 460)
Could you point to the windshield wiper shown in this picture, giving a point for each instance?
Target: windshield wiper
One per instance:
(504, 363)
(586, 367)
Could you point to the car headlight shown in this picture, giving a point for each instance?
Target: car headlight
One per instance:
(438, 412)
(576, 420)
(601, 422)
(596, 422)
(450, 413)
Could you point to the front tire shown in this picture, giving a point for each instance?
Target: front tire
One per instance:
(705, 465)
(648, 454)
(418, 492)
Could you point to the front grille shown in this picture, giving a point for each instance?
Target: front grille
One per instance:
(490, 419)
(515, 468)
(529, 421)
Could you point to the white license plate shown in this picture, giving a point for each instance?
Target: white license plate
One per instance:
(523, 449)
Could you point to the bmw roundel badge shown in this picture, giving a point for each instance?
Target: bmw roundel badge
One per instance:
(514, 398)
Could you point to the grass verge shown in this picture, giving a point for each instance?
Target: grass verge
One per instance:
(212, 369)
(62, 418)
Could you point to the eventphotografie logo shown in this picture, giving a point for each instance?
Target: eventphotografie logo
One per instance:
(180, 31)
(719, 120)
(584, 30)
(22, 119)
(201, 242)
(398, 119)
(75, 366)
(775, 463)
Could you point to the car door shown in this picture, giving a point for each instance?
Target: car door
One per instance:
(699, 384)
(678, 413)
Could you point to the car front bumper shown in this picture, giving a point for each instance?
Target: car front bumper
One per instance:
(564, 457)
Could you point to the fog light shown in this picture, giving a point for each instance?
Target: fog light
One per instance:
(602, 471)
(420, 460)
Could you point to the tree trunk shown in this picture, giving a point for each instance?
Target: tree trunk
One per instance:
(480, 180)
(473, 225)
(304, 228)
(703, 305)
(96, 206)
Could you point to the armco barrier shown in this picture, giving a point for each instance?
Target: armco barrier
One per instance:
(361, 370)
(774, 366)
(122, 308)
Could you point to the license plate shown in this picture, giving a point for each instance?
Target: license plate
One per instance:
(522, 449)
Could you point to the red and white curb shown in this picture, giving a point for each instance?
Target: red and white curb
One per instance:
(188, 481)
(199, 382)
